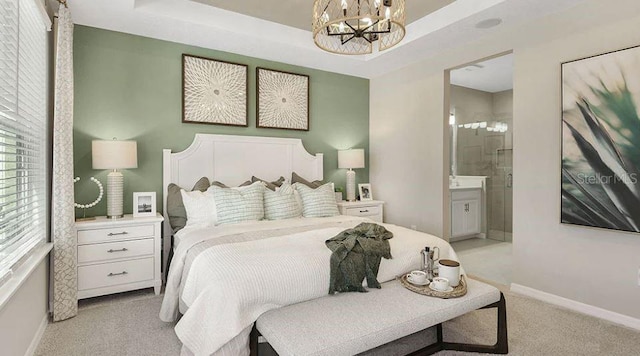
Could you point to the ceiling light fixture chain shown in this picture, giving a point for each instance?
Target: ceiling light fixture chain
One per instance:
(358, 26)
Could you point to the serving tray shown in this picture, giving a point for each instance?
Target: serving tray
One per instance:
(458, 291)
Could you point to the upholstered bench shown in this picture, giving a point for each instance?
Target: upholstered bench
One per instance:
(352, 323)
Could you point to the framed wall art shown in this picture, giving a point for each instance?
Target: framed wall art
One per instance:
(214, 92)
(282, 100)
(601, 141)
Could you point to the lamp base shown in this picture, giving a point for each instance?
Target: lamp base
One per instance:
(351, 185)
(115, 195)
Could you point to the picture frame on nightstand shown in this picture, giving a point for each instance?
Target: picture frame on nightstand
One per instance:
(144, 204)
(365, 191)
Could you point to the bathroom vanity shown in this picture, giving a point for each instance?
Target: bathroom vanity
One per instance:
(467, 207)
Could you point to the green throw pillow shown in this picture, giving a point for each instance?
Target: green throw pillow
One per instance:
(295, 178)
(222, 185)
(271, 185)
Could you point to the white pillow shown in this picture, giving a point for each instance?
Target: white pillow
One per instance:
(238, 204)
(281, 204)
(319, 202)
(200, 208)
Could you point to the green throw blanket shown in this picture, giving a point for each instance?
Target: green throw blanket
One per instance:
(357, 254)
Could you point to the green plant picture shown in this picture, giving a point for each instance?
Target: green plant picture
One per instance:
(601, 141)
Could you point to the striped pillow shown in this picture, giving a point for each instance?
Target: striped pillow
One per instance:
(239, 204)
(281, 204)
(319, 202)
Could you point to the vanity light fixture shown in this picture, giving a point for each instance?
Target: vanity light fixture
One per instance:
(491, 127)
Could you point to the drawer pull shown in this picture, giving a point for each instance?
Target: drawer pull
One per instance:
(364, 211)
(120, 250)
(117, 274)
(117, 233)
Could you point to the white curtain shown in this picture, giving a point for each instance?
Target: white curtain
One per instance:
(65, 302)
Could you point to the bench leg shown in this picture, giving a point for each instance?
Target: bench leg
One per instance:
(501, 346)
(253, 341)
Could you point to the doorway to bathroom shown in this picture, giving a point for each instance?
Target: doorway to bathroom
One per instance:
(481, 167)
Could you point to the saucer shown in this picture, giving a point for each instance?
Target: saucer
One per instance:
(416, 283)
(438, 290)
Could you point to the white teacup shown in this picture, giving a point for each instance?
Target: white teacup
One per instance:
(450, 270)
(419, 277)
(440, 283)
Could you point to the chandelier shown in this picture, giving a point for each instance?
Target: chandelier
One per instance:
(356, 26)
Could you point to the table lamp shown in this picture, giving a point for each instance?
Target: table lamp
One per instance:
(114, 155)
(351, 159)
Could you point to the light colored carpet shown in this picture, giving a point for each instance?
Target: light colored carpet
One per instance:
(125, 324)
(128, 324)
(486, 258)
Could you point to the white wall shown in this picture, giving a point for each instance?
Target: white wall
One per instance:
(23, 315)
(542, 244)
(408, 143)
(471, 105)
(503, 102)
(407, 150)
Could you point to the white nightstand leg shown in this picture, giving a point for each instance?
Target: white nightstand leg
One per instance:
(156, 289)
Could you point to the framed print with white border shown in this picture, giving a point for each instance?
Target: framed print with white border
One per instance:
(144, 204)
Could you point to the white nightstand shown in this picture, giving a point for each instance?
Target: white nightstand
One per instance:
(372, 209)
(118, 255)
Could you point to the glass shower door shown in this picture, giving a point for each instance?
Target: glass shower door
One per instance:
(501, 196)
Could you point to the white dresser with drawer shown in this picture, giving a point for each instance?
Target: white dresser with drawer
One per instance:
(372, 209)
(118, 255)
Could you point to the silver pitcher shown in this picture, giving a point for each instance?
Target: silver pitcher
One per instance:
(429, 257)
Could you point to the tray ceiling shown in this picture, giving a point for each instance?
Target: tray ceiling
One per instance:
(297, 13)
(195, 23)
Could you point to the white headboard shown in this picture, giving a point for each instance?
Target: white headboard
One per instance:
(232, 160)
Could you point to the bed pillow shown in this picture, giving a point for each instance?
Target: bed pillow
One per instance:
(319, 202)
(295, 178)
(239, 204)
(222, 185)
(271, 185)
(175, 205)
(200, 208)
(281, 204)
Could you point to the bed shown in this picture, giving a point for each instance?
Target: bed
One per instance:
(222, 278)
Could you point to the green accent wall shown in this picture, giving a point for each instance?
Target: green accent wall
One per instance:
(130, 87)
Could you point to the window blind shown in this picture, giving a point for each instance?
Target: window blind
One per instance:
(23, 130)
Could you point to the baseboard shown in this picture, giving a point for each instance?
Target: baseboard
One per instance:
(33, 346)
(467, 237)
(579, 307)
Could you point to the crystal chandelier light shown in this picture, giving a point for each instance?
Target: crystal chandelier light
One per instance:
(356, 26)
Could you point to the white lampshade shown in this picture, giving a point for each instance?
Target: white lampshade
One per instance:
(114, 154)
(351, 159)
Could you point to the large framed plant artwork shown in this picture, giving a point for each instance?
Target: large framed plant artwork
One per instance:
(601, 141)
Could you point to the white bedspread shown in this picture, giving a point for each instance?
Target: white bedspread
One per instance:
(230, 285)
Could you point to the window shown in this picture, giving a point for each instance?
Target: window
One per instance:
(23, 130)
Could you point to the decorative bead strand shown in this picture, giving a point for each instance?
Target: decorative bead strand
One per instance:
(95, 202)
